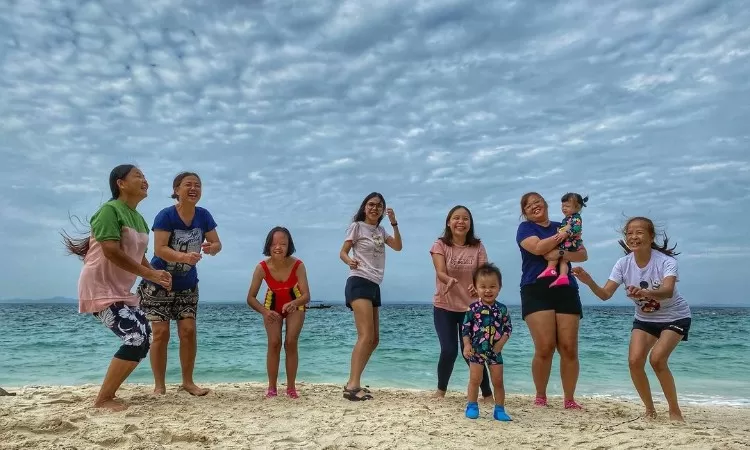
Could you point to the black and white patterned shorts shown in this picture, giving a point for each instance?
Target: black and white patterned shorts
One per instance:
(161, 305)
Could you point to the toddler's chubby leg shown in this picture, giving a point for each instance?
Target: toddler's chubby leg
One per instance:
(550, 271)
(562, 279)
(496, 373)
(476, 365)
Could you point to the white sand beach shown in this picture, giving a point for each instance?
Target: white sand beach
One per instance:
(236, 416)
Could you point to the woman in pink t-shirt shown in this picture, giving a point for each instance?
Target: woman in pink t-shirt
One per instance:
(455, 255)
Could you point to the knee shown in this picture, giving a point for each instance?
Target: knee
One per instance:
(636, 362)
(274, 345)
(658, 363)
(475, 378)
(160, 335)
(544, 350)
(375, 341)
(449, 352)
(290, 345)
(186, 330)
(367, 339)
(567, 350)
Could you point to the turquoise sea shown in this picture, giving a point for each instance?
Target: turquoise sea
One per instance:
(53, 344)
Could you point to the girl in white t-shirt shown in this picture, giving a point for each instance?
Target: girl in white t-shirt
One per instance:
(662, 317)
(366, 240)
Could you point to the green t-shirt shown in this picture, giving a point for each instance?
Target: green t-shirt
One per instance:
(108, 222)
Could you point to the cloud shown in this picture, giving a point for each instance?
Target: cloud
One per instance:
(293, 114)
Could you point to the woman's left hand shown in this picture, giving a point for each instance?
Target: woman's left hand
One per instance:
(290, 308)
(391, 215)
(209, 248)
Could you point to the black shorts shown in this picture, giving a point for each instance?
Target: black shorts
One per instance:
(358, 287)
(681, 326)
(538, 296)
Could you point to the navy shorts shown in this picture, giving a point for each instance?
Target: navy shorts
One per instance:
(358, 287)
(681, 327)
(538, 296)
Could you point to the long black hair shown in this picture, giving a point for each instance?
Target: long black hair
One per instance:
(360, 215)
(80, 246)
(663, 247)
(447, 237)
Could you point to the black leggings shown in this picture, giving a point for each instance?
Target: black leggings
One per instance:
(448, 328)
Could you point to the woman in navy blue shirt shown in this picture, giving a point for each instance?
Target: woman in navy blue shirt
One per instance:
(551, 313)
(181, 232)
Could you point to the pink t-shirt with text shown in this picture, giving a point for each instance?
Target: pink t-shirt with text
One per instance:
(460, 262)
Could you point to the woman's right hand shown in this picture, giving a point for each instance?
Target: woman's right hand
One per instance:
(161, 277)
(353, 263)
(191, 258)
(582, 275)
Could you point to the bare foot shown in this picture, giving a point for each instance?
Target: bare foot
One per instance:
(676, 416)
(112, 405)
(650, 414)
(160, 390)
(438, 395)
(488, 399)
(192, 389)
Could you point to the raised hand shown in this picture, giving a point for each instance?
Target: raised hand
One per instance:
(391, 215)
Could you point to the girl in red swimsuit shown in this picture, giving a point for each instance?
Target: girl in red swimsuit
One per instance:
(285, 301)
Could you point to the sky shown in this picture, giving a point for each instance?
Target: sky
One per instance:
(293, 111)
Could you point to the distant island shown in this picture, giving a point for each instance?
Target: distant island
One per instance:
(39, 300)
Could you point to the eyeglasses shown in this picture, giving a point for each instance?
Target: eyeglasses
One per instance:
(374, 205)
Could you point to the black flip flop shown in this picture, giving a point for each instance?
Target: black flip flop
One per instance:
(351, 395)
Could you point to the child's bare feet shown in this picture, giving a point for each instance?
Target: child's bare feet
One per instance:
(650, 414)
(160, 390)
(438, 394)
(193, 389)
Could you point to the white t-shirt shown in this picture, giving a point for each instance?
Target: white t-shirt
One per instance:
(627, 272)
(368, 245)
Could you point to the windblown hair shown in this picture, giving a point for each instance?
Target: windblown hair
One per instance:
(80, 246)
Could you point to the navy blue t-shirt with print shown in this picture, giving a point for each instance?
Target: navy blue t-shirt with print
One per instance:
(532, 265)
(182, 238)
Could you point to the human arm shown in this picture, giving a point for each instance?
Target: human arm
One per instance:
(344, 255)
(664, 292)
(252, 296)
(167, 253)
(106, 229)
(603, 292)
(466, 329)
(502, 318)
(531, 243)
(304, 289)
(212, 246)
(578, 256)
(394, 241)
(441, 269)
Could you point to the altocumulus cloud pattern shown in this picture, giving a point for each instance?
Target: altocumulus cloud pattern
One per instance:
(292, 111)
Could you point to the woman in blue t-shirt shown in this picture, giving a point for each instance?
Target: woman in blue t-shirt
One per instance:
(551, 313)
(662, 316)
(181, 232)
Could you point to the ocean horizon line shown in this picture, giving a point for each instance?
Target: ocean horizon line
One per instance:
(70, 301)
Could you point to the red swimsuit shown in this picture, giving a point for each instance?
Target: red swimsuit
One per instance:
(280, 293)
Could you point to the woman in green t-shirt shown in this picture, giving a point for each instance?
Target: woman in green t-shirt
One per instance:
(114, 255)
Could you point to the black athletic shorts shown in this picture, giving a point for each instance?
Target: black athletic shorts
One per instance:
(681, 326)
(358, 287)
(538, 296)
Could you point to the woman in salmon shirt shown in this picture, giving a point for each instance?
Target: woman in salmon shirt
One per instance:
(455, 255)
(114, 255)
